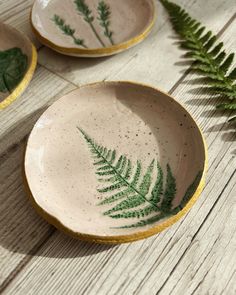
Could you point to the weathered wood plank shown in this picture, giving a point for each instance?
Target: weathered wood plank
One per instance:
(21, 230)
(154, 61)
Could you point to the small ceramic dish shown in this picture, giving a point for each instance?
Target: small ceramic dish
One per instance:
(18, 59)
(92, 28)
(114, 162)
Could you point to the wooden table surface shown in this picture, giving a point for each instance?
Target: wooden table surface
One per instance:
(195, 256)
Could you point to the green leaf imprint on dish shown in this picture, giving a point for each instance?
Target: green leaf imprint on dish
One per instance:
(210, 59)
(131, 191)
(103, 12)
(84, 10)
(13, 66)
(104, 16)
(67, 30)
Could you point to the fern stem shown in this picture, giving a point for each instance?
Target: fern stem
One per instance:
(84, 10)
(115, 170)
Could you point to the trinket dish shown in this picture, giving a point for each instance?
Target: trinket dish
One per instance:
(18, 59)
(114, 162)
(92, 28)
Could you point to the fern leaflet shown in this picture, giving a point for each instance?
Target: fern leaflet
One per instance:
(130, 191)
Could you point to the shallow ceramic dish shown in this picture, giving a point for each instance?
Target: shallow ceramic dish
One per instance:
(92, 28)
(114, 162)
(18, 59)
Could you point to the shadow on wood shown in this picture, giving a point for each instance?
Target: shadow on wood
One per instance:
(21, 229)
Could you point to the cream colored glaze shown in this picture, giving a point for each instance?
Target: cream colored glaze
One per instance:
(9, 38)
(137, 121)
(129, 18)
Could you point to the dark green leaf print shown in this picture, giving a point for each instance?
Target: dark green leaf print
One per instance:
(13, 66)
(67, 30)
(84, 10)
(132, 192)
(103, 16)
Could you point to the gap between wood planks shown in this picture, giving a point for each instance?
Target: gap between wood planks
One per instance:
(52, 230)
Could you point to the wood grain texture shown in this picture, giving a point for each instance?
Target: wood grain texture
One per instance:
(195, 256)
(21, 230)
(10, 8)
(210, 260)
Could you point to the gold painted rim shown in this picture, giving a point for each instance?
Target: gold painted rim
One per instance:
(25, 81)
(129, 237)
(96, 52)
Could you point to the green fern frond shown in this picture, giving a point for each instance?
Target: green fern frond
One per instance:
(67, 30)
(207, 53)
(129, 190)
(104, 16)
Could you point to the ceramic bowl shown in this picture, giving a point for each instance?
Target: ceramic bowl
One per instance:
(114, 162)
(18, 59)
(92, 28)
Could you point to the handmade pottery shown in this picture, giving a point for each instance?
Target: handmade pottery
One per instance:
(18, 59)
(92, 28)
(114, 162)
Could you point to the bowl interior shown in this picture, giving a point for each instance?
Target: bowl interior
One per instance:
(127, 19)
(11, 38)
(142, 124)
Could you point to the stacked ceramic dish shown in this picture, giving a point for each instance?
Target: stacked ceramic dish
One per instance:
(109, 162)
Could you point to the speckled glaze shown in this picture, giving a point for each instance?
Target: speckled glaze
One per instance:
(130, 22)
(10, 38)
(136, 120)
